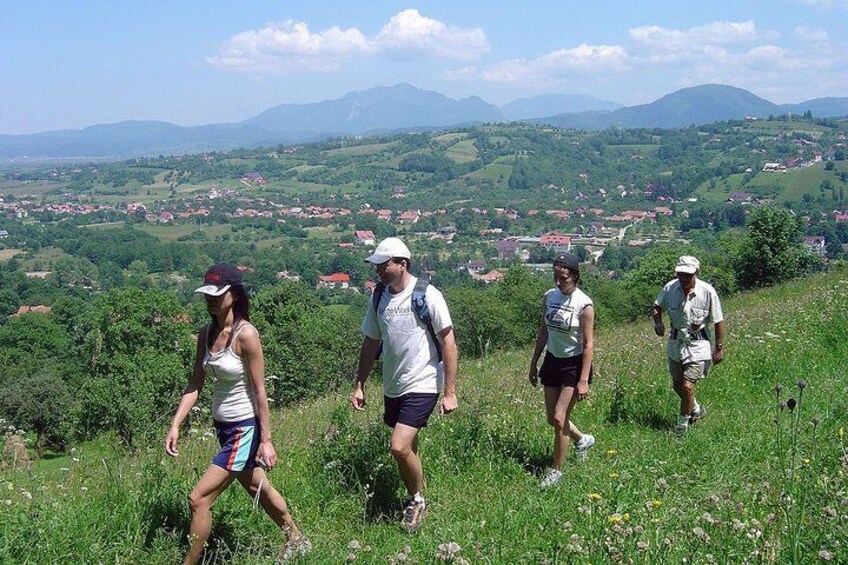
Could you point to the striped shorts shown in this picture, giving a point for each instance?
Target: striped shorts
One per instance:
(239, 444)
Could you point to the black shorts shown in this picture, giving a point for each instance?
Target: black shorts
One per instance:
(411, 409)
(562, 371)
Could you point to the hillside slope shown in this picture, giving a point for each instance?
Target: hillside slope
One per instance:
(736, 488)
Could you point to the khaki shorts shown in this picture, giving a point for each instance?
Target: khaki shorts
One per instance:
(692, 372)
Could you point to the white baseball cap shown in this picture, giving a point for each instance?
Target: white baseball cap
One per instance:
(687, 264)
(389, 248)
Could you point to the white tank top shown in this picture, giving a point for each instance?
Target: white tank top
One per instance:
(232, 395)
(562, 318)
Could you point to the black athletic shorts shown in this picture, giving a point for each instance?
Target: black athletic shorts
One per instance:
(562, 371)
(411, 409)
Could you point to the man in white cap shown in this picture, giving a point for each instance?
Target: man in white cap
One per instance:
(409, 320)
(692, 305)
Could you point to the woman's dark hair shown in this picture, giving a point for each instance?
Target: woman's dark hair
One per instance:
(241, 304)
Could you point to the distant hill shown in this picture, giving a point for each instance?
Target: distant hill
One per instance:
(378, 109)
(553, 104)
(133, 138)
(695, 105)
(400, 108)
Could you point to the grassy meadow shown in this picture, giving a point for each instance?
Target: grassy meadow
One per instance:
(751, 483)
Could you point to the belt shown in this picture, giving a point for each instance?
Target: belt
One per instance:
(693, 336)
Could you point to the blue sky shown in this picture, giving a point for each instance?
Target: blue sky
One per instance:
(67, 64)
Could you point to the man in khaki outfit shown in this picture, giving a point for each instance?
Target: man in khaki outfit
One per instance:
(692, 305)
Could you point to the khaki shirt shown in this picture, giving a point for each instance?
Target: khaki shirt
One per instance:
(689, 315)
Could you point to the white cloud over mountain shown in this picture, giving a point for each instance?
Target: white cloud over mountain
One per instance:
(290, 45)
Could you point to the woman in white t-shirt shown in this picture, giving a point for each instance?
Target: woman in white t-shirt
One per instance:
(567, 332)
(229, 354)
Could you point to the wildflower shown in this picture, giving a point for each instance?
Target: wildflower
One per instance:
(781, 406)
(701, 534)
(614, 475)
(708, 518)
(615, 518)
(825, 555)
(642, 546)
(778, 389)
(354, 544)
(815, 422)
(567, 527)
(802, 384)
(26, 495)
(661, 484)
(611, 452)
(791, 403)
(655, 503)
(351, 557)
(595, 496)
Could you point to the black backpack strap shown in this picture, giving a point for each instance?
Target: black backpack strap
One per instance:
(376, 295)
(419, 306)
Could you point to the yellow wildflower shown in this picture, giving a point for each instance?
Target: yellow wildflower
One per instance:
(595, 496)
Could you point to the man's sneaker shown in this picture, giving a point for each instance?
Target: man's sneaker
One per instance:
(294, 548)
(552, 477)
(698, 413)
(414, 510)
(681, 429)
(582, 447)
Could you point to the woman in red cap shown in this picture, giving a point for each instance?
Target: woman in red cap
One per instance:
(229, 353)
(567, 332)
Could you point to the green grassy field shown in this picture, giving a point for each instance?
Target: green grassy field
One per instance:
(752, 483)
(462, 151)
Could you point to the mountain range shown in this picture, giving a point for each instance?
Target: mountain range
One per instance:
(389, 109)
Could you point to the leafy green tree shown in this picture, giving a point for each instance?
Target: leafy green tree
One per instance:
(309, 349)
(770, 252)
(40, 404)
(138, 350)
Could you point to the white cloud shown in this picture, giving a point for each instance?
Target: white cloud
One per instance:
(291, 45)
(695, 39)
(409, 31)
(559, 64)
(805, 33)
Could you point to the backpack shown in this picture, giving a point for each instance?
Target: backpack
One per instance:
(419, 306)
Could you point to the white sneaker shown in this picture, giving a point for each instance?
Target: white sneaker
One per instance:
(582, 447)
(698, 413)
(552, 477)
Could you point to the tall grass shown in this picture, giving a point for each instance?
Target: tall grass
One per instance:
(751, 483)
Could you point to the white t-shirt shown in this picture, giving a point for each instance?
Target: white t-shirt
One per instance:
(689, 315)
(410, 360)
(563, 314)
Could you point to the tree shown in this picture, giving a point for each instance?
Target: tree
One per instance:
(138, 348)
(770, 252)
(40, 404)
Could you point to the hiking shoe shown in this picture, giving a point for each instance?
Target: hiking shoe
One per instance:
(414, 510)
(582, 447)
(697, 414)
(294, 548)
(552, 477)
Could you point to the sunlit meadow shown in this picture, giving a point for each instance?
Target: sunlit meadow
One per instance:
(762, 479)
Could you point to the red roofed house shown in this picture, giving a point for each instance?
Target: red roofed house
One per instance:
(364, 237)
(815, 244)
(336, 280)
(40, 309)
(559, 243)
